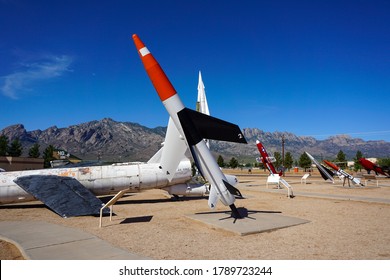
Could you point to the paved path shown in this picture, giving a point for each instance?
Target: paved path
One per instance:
(45, 241)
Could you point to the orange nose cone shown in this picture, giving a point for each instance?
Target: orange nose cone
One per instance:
(160, 81)
(334, 166)
(138, 43)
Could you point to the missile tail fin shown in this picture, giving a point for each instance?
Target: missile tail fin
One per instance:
(208, 127)
(213, 197)
(325, 173)
(173, 151)
(156, 158)
(232, 190)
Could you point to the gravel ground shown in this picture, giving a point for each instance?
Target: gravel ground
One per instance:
(153, 225)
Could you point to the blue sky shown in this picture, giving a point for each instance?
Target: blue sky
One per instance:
(313, 68)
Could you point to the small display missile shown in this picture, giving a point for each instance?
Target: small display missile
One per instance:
(265, 159)
(342, 172)
(325, 172)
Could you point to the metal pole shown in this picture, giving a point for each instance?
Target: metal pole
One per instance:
(283, 154)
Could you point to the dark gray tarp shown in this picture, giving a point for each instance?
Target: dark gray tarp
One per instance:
(64, 195)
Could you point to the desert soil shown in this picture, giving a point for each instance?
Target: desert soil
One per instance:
(8, 251)
(153, 225)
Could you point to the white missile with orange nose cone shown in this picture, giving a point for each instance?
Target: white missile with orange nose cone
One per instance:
(194, 127)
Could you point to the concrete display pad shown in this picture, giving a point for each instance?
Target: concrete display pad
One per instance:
(255, 222)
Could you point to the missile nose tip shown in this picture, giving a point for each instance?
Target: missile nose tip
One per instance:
(137, 41)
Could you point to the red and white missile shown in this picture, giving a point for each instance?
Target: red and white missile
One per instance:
(343, 173)
(368, 165)
(195, 126)
(266, 160)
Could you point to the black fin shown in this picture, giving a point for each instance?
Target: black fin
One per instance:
(231, 189)
(327, 170)
(207, 127)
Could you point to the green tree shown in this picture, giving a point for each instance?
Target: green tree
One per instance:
(384, 162)
(278, 158)
(233, 163)
(34, 151)
(221, 161)
(3, 145)
(288, 160)
(304, 161)
(357, 166)
(15, 149)
(48, 156)
(341, 160)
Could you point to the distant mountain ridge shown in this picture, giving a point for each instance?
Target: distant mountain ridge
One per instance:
(125, 141)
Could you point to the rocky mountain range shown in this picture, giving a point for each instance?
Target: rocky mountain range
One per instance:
(125, 141)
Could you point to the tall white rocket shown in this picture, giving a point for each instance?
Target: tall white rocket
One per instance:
(195, 127)
(202, 105)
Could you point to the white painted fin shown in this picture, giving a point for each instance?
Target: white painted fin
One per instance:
(156, 158)
(173, 151)
(213, 197)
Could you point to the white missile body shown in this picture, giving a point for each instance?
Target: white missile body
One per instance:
(102, 180)
(193, 126)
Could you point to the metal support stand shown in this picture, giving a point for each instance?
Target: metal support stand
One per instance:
(289, 188)
(111, 204)
(349, 183)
